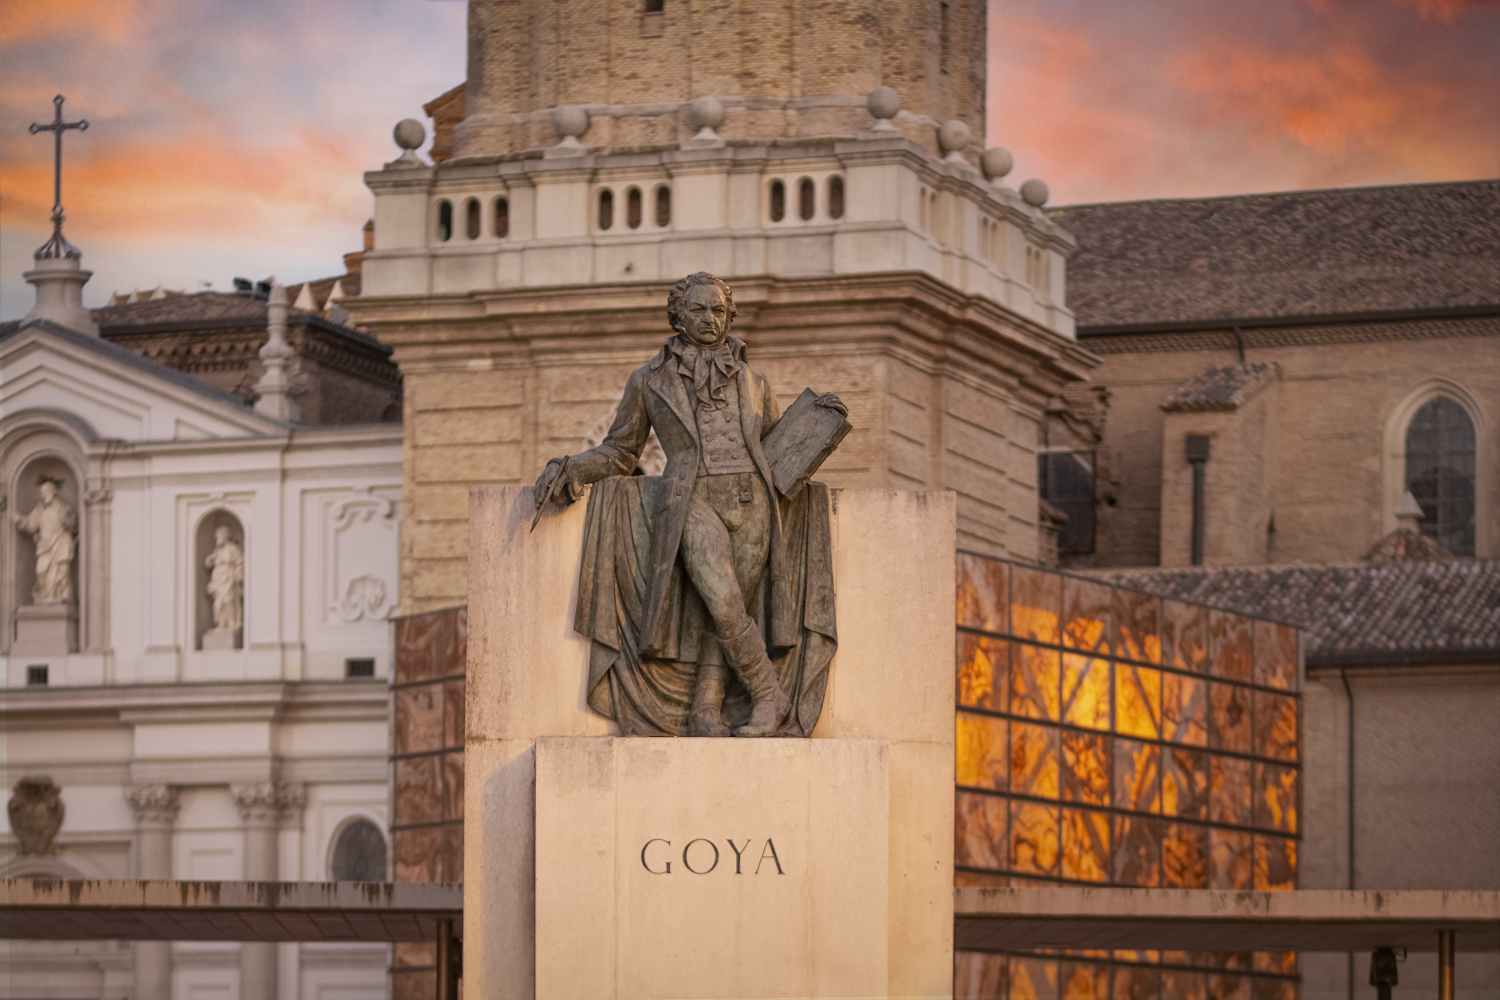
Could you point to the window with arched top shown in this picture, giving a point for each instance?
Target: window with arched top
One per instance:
(835, 197)
(663, 206)
(606, 209)
(1440, 472)
(471, 218)
(445, 221)
(358, 853)
(778, 201)
(806, 199)
(502, 218)
(633, 208)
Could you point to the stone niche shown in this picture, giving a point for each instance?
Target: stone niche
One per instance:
(207, 637)
(40, 629)
(814, 867)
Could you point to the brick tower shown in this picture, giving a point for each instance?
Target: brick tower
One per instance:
(824, 158)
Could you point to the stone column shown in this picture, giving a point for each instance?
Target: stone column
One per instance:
(95, 576)
(262, 805)
(155, 808)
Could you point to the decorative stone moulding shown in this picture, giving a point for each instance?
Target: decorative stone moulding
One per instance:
(409, 134)
(996, 163)
(883, 104)
(1034, 193)
(953, 138)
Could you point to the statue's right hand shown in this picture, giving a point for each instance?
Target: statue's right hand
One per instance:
(544, 482)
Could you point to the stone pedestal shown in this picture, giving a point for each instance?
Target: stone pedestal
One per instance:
(558, 901)
(59, 285)
(45, 630)
(711, 868)
(221, 638)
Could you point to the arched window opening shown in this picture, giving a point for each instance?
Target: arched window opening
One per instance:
(633, 208)
(359, 853)
(606, 208)
(445, 221)
(806, 197)
(835, 197)
(502, 218)
(778, 201)
(663, 206)
(471, 218)
(1440, 469)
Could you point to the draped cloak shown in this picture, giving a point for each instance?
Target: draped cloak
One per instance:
(648, 626)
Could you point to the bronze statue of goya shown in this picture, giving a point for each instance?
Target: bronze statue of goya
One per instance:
(707, 591)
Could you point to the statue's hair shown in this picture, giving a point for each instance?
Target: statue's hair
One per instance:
(47, 477)
(679, 292)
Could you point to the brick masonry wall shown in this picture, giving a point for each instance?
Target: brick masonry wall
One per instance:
(1326, 431)
(531, 56)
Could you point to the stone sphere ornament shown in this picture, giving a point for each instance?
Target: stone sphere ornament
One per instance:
(1035, 193)
(409, 133)
(706, 112)
(953, 137)
(570, 121)
(996, 163)
(883, 103)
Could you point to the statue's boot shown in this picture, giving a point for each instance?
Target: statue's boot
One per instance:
(746, 652)
(706, 717)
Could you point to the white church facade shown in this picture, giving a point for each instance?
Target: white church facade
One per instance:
(198, 673)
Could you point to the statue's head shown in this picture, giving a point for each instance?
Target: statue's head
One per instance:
(701, 307)
(221, 535)
(50, 486)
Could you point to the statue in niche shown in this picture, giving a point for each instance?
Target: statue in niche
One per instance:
(226, 583)
(52, 523)
(707, 591)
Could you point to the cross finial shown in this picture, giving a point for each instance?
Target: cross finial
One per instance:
(57, 246)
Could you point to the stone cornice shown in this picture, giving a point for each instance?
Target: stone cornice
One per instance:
(1313, 333)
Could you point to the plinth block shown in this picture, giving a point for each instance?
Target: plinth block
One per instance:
(559, 898)
(711, 868)
(45, 630)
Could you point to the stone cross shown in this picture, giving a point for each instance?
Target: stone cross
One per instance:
(57, 246)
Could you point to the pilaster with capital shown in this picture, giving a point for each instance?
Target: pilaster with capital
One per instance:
(155, 808)
(262, 805)
(96, 502)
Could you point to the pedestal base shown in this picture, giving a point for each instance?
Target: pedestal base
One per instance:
(221, 638)
(45, 630)
(712, 867)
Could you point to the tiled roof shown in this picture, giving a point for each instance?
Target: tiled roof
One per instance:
(1406, 543)
(200, 307)
(1354, 612)
(1300, 253)
(1219, 388)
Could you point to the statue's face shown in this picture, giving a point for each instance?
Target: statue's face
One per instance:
(221, 535)
(706, 315)
(49, 492)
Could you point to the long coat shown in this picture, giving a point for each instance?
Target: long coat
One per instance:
(657, 396)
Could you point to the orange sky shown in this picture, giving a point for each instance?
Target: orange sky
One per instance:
(228, 138)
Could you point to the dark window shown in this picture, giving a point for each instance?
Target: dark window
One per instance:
(633, 208)
(806, 195)
(471, 219)
(835, 197)
(663, 206)
(502, 218)
(445, 221)
(1065, 479)
(778, 201)
(943, 37)
(359, 668)
(359, 853)
(606, 208)
(655, 6)
(36, 676)
(1440, 473)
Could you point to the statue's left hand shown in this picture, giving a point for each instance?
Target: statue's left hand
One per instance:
(831, 401)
